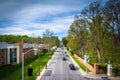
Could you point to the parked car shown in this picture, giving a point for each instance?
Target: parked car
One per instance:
(71, 66)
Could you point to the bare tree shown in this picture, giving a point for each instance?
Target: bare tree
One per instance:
(47, 36)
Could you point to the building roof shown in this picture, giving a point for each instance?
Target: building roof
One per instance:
(25, 45)
(4, 45)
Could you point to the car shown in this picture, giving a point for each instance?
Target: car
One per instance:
(67, 55)
(64, 58)
(71, 66)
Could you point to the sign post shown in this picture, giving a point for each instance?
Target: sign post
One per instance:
(86, 59)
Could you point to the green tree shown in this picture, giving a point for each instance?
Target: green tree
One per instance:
(79, 30)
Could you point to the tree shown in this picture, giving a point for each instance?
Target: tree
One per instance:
(112, 9)
(93, 14)
(49, 39)
(64, 40)
(73, 45)
(79, 31)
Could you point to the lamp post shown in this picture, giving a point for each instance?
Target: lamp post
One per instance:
(39, 63)
(23, 61)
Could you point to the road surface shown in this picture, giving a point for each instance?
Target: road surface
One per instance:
(58, 69)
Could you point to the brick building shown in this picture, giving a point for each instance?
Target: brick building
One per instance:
(3, 52)
(12, 53)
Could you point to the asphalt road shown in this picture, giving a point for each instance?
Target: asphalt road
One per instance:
(58, 69)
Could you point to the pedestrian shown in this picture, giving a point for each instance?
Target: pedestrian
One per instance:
(46, 66)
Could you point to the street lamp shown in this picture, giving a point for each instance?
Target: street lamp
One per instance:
(39, 64)
(35, 49)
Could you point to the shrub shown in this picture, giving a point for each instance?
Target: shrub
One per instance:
(116, 70)
(103, 67)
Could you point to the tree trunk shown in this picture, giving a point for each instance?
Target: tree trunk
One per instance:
(99, 54)
(82, 51)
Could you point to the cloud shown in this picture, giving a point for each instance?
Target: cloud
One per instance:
(58, 25)
(25, 17)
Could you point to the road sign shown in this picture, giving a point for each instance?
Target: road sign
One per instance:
(86, 58)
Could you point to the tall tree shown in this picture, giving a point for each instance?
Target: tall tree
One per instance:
(78, 29)
(93, 14)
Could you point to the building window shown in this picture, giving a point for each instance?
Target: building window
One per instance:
(3, 53)
(3, 62)
(2, 50)
(13, 55)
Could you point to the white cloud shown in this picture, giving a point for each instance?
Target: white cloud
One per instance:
(39, 11)
(24, 20)
(28, 28)
(25, 25)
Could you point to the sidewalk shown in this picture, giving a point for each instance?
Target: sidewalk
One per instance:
(91, 75)
(99, 76)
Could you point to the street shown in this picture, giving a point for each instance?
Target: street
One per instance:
(58, 69)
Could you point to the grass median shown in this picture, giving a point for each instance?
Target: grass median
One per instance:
(37, 65)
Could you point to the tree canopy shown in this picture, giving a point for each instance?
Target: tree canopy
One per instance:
(96, 32)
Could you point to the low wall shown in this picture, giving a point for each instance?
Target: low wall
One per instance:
(93, 69)
(90, 67)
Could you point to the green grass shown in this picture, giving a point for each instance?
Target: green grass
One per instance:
(78, 62)
(36, 64)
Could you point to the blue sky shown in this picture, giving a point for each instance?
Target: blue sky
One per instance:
(27, 17)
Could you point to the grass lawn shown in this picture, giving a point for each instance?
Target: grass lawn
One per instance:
(36, 65)
(78, 62)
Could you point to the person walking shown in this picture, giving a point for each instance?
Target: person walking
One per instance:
(46, 66)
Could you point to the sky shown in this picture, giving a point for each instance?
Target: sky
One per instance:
(28, 17)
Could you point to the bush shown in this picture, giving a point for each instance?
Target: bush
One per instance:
(103, 67)
(116, 70)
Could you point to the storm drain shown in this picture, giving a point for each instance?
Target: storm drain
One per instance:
(48, 73)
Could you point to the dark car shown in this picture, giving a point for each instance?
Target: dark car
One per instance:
(64, 58)
(72, 67)
(67, 55)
